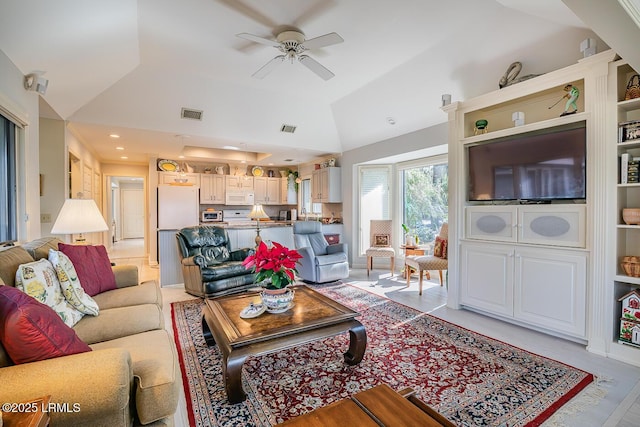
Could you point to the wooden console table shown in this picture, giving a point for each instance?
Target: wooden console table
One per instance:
(378, 406)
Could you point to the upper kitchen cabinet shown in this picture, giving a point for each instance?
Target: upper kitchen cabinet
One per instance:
(326, 185)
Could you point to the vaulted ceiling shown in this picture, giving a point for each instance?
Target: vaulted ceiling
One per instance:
(129, 67)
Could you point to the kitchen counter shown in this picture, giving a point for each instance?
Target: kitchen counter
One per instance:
(249, 224)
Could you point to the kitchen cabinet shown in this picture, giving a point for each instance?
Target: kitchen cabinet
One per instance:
(235, 182)
(170, 178)
(212, 189)
(326, 185)
(545, 288)
(170, 269)
(267, 190)
(286, 197)
(240, 238)
(282, 235)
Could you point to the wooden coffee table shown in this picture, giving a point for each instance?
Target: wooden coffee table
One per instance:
(378, 406)
(312, 317)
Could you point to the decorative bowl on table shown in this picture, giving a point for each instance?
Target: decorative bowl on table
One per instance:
(631, 216)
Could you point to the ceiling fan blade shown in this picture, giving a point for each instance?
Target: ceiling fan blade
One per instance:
(251, 13)
(319, 8)
(268, 67)
(258, 39)
(316, 67)
(322, 41)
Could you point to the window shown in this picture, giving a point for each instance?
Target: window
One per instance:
(307, 206)
(424, 186)
(374, 199)
(8, 188)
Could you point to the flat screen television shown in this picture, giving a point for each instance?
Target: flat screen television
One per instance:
(540, 166)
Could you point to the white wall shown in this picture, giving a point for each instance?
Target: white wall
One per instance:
(16, 101)
(52, 159)
(414, 141)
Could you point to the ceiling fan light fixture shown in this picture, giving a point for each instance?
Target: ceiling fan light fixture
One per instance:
(292, 44)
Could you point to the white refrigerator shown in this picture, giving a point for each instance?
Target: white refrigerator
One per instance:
(178, 207)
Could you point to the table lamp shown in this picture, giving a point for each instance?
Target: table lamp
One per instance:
(258, 213)
(79, 216)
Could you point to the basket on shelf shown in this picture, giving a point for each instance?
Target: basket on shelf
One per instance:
(631, 216)
(633, 88)
(631, 266)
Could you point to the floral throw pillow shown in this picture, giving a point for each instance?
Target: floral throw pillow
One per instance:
(70, 284)
(440, 248)
(39, 280)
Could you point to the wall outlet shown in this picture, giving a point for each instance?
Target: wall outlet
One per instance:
(45, 218)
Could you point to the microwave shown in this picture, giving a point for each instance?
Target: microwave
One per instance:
(211, 216)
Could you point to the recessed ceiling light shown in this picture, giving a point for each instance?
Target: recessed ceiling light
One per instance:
(229, 147)
(181, 157)
(114, 135)
(124, 157)
(119, 148)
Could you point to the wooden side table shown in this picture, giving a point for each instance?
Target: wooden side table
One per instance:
(411, 250)
(33, 414)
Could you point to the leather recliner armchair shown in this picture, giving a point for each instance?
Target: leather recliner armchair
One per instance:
(209, 266)
(320, 262)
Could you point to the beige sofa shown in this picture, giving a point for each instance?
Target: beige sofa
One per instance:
(131, 376)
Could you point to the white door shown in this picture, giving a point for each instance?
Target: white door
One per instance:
(132, 205)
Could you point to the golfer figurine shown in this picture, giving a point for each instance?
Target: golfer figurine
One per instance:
(572, 93)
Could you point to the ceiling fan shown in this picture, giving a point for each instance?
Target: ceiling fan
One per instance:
(292, 44)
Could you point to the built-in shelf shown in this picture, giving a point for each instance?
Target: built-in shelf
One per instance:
(629, 344)
(629, 105)
(627, 279)
(544, 124)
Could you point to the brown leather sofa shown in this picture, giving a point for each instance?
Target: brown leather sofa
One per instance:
(209, 267)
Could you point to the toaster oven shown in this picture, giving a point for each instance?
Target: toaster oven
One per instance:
(211, 216)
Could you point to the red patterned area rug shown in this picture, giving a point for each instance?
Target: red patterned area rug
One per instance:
(471, 379)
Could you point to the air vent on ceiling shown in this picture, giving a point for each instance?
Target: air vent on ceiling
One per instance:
(189, 113)
(288, 128)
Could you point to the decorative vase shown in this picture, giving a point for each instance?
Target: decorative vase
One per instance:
(277, 300)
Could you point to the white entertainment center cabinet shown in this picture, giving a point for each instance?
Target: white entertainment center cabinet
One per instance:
(553, 267)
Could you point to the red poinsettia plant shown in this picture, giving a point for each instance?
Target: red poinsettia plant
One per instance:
(275, 265)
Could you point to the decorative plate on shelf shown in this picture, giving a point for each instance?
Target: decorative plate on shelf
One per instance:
(168, 165)
(257, 171)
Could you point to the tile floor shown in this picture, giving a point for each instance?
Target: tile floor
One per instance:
(612, 401)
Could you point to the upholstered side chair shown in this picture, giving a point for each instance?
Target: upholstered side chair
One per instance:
(437, 261)
(380, 241)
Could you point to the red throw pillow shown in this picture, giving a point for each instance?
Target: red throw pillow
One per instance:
(440, 248)
(31, 331)
(93, 267)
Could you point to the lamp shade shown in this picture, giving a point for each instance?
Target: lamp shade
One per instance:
(79, 216)
(258, 213)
